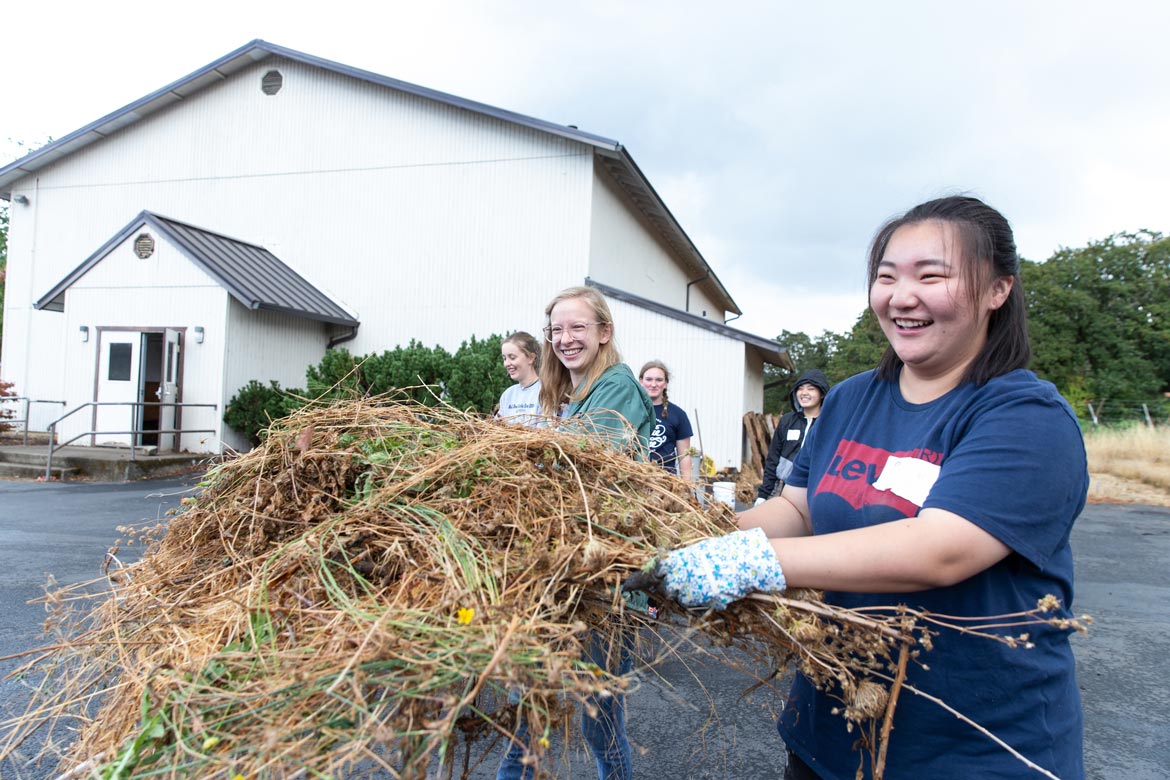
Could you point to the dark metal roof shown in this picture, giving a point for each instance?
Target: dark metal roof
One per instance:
(617, 161)
(773, 351)
(251, 274)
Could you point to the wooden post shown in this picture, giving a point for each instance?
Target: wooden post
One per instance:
(1149, 422)
(754, 429)
(1091, 412)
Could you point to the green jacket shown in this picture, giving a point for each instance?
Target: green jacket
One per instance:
(617, 409)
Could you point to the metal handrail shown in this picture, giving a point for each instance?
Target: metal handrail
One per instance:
(27, 403)
(53, 447)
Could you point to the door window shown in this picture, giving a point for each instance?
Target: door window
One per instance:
(121, 356)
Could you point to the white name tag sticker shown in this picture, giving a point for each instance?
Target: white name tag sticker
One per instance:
(908, 478)
(793, 434)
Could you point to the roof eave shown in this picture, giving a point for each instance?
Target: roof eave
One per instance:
(245, 297)
(314, 317)
(772, 351)
(53, 300)
(654, 208)
(129, 114)
(249, 53)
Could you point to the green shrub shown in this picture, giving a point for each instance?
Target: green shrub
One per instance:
(471, 379)
(477, 375)
(256, 405)
(417, 371)
(338, 375)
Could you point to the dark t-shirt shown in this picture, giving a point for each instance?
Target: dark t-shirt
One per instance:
(1008, 457)
(667, 431)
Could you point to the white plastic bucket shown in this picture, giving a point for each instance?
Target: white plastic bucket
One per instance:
(725, 492)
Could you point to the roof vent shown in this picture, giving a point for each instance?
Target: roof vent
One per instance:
(144, 245)
(272, 82)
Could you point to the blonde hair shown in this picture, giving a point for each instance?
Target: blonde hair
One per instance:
(665, 374)
(526, 343)
(556, 385)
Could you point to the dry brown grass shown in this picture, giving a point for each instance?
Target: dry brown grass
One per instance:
(359, 590)
(1130, 465)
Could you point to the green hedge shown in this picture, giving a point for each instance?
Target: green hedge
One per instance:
(256, 405)
(472, 380)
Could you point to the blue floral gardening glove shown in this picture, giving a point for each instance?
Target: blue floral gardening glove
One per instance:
(715, 572)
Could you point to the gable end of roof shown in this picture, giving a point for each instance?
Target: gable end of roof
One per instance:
(248, 272)
(615, 158)
(235, 61)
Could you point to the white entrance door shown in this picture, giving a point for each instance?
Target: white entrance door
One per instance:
(118, 381)
(168, 390)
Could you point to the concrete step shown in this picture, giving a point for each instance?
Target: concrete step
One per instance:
(29, 456)
(104, 464)
(74, 457)
(33, 471)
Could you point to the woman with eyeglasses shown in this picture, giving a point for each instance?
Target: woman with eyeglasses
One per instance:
(589, 386)
(588, 380)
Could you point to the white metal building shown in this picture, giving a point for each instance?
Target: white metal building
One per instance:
(235, 223)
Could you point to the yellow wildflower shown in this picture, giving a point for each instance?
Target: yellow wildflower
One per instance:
(465, 615)
(210, 742)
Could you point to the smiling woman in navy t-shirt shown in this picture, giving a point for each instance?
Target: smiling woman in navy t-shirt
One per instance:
(948, 480)
(670, 441)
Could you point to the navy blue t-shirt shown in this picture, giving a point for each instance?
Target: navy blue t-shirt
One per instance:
(1009, 457)
(667, 431)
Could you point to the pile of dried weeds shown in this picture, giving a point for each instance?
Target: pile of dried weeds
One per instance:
(357, 592)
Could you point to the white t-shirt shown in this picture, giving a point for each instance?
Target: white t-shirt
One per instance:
(521, 403)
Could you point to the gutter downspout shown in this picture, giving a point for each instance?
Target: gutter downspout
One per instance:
(704, 277)
(333, 342)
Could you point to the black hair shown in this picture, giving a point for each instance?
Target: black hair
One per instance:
(988, 249)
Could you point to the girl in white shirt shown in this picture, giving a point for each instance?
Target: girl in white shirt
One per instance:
(521, 354)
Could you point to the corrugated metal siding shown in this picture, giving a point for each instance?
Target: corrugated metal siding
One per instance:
(433, 223)
(707, 374)
(626, 252)
(753, 388)
(29, 334)
(268, 346)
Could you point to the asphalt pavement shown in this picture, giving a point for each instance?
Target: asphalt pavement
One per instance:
(690, 717)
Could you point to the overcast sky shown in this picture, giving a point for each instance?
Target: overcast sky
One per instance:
(779, 134)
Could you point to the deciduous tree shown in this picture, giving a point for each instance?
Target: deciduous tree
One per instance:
(1099, 317)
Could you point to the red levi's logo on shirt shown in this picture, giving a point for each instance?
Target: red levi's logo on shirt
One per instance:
(855, 467)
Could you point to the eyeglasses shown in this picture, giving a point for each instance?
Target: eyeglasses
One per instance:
(576, 330)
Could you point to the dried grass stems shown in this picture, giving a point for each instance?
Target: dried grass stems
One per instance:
(375, 580)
